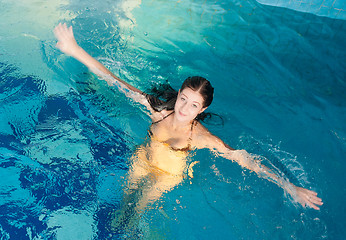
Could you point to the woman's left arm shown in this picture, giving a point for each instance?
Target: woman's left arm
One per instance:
(68, 45)
(304, 196)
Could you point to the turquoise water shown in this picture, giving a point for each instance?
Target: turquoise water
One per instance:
(66, 137)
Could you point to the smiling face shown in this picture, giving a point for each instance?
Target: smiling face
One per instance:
(188, 105)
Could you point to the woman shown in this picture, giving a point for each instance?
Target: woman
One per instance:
(175, 130)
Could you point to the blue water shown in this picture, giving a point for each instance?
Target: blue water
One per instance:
(66, 137)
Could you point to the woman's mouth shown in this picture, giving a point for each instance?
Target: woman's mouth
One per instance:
(182, 114)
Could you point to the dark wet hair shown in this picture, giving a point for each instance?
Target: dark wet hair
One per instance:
(164, 96)
(201, 85)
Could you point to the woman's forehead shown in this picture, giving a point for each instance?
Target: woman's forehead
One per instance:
(192, 95)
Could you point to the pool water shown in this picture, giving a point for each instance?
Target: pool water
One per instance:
(66, 137)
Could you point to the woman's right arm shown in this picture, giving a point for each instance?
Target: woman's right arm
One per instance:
(303, 196)
(68, 45)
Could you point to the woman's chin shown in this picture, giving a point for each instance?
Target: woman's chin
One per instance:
(181, 118)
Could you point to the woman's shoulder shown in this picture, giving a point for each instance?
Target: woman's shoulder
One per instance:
(202, 137)
(200, 129)
(159, 116)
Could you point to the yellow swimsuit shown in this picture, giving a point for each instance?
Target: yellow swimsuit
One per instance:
(163, 157)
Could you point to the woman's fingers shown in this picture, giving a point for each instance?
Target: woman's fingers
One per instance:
(312, 200)
(58, 32)
(309, 198)
(310, 192)
(71, 31)
(62, 32)
(312, 196)
(66, 41)
(313, 206)
(316, 200)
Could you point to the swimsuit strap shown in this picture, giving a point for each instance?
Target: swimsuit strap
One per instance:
(190, 138)
(188, 147)
(163, 118)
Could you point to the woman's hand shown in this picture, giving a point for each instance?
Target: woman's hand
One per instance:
(66, 41)
(306, 197)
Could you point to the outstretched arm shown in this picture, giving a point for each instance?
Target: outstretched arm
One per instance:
(303, 196)
(67, 44)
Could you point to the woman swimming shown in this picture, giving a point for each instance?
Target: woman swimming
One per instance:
(175, 130)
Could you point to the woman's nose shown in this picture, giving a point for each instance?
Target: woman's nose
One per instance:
(183, 107)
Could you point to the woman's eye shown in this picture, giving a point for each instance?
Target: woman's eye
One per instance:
(182, 99)
(194, 105)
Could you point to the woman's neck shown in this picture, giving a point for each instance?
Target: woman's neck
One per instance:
(179, 125)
